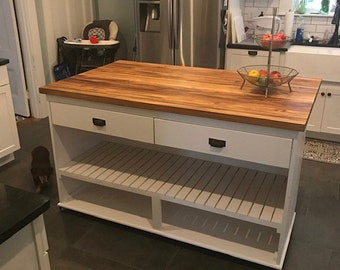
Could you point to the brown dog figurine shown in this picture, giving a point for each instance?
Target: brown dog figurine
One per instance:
(41, 168)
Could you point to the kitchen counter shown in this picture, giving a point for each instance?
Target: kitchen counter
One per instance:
(23, 240)
(192, 91)
(17, 209)
(3, 61)
(251, 44)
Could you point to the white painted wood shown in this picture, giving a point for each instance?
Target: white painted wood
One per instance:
(27, 247)
(325, 113)
(41, 243)
(244, 212)
(128, 126)
(315, 118)
(261, 197)
(75, 15)
(9, 139)
(252, 192)
(239, 145)
(32, 55)
(156, 213)
(303, 59)
(10, 49)
(238, 58)
(331, 114)
(140, 171)
(292, 188)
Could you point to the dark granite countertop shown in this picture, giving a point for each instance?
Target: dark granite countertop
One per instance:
(18, 208)
(3, 61)
(250, 44)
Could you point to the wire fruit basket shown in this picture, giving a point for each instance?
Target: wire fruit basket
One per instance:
(261, 75)
(277, 42)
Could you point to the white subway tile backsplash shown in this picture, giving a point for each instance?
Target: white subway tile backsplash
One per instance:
(274, 3)
(261, 3)
(324, 28)
(319, 20)
(249, 3)
(313, 25)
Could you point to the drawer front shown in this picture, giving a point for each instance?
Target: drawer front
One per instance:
(239, 58)
(3, 75)
(264, 149)
(118, 124)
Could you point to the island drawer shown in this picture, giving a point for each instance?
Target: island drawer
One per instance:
(259, 148)
(129, 126)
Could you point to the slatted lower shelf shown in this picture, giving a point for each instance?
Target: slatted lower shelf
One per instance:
(220, 233)
(242, 193)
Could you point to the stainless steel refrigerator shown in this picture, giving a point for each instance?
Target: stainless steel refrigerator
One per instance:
(181, 32)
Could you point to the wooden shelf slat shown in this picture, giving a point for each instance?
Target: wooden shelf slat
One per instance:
(206, 185)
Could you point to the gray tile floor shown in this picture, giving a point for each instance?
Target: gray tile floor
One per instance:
(80, 242)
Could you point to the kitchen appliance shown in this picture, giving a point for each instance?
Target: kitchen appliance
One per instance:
(181, 32)
(263, 25)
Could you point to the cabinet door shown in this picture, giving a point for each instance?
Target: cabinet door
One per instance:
(315, 119)
(237, 58)
(331, 114)
(9, 140)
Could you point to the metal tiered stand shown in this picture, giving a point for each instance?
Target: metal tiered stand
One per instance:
(286, 74)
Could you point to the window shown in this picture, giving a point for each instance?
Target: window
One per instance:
(314, 6)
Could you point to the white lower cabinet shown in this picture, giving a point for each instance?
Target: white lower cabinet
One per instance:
(9, 139)
(26, 249)
(320, 62)
(237, 58)
(326, 114)
(195, 191)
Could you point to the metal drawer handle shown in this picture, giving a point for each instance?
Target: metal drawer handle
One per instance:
(217, 143)
(99, 122)
(252, 53)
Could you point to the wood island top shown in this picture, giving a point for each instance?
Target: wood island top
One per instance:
(201, 92)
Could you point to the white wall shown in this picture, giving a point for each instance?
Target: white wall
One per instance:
(58, 18)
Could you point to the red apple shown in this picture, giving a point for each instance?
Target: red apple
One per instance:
(280, 35)
(94, 39)
(265, 40)
(263, 72)
(275, 77)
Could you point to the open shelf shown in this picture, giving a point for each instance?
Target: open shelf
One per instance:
(241, 239)
(107, 203)
(217, 232)
(241, 193)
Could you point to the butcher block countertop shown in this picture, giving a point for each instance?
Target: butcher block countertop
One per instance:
(200, 92)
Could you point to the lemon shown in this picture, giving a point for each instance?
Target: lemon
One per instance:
(253, 75)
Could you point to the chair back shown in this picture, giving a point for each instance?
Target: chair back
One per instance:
(97, 28)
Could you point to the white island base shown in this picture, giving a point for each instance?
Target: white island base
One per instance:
(169, 184)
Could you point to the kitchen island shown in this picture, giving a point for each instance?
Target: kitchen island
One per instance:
(184, 153)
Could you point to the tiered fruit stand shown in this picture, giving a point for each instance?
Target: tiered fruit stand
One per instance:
(286, 74)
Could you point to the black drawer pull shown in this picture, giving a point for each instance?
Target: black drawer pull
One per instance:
(98, 122)
(217, 143)
(252, 53)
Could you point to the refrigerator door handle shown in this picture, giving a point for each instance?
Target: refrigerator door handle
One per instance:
(176, 22)
(170, 24)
